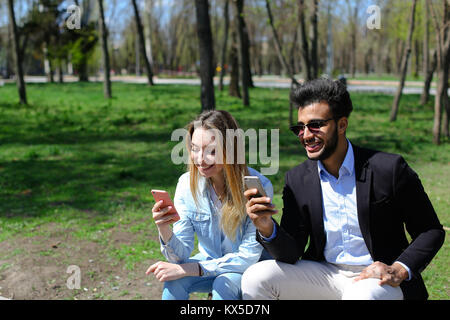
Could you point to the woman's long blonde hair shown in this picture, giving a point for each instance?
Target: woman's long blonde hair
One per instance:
(233, 201)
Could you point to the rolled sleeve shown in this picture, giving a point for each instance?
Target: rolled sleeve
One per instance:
(272, 236)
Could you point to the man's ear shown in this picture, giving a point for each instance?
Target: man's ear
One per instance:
(342, 125)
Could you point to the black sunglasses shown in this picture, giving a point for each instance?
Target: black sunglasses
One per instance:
(314, 126)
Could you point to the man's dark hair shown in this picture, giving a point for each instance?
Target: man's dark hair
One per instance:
(324, 90)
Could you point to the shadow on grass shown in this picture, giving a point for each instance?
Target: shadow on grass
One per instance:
(37, 187)
(95, 184)
(84, 136)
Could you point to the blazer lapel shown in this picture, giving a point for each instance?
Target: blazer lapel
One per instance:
(312, 181)
(363, 177)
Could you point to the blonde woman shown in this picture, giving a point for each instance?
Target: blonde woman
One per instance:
(210, 201)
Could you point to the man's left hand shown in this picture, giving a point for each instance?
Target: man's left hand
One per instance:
(392, 275)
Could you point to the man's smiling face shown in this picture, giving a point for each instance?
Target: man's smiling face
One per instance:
(322, 143)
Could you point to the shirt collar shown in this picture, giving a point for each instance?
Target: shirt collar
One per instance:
(347, 167)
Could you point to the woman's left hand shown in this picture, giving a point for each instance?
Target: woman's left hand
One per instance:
(166, 271)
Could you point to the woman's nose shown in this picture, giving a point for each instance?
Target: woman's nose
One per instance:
(198, 157)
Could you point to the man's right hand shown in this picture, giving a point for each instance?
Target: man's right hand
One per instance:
(260, 211)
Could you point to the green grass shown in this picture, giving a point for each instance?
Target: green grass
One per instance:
(75, 162)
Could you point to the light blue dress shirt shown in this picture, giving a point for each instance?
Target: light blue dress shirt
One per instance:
(217, 253)
(344, 241)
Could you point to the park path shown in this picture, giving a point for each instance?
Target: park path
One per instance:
(377, 86)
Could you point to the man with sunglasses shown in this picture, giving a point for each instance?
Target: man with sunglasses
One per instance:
(342, 232)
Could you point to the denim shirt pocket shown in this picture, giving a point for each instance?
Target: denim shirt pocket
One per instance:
(201, 222)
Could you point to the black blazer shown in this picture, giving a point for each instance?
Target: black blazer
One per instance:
(389, 197)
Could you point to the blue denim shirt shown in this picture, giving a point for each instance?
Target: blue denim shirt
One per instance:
(217, 253)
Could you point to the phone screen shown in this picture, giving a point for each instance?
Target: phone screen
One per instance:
(159, 195)
(252, 182)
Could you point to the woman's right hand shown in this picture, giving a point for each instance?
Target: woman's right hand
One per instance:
(163, 220)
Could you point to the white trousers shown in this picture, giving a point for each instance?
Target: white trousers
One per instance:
(311, 280)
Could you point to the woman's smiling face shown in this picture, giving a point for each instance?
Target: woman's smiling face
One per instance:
(204, 152)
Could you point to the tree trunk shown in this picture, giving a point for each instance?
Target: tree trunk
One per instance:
(353, 41)
(246, 39)
(314, 35)
(387, 60)
(60, 71)
(137, 58)
(9, 55)
(416, 59)
(426, 57)
(293, 61)
(367, 60)
(443, 63)
(428, 78)
(438, 106)
(205, 43)
(18, 58)
(83, 71)
(69, 64)
(104, 43)
(404, 69)
(148, 31)
(224, 45)
(382, 53)
(148, 67)
(234, 90)
(444, 98)
(243, 48)
(286, 66)
(306, 65)
(446, 68)
(82, 67)
(329, 49)
(59, 60)
(47, 64)
(400, 48)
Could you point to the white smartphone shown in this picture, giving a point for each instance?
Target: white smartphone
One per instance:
(252, 182)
